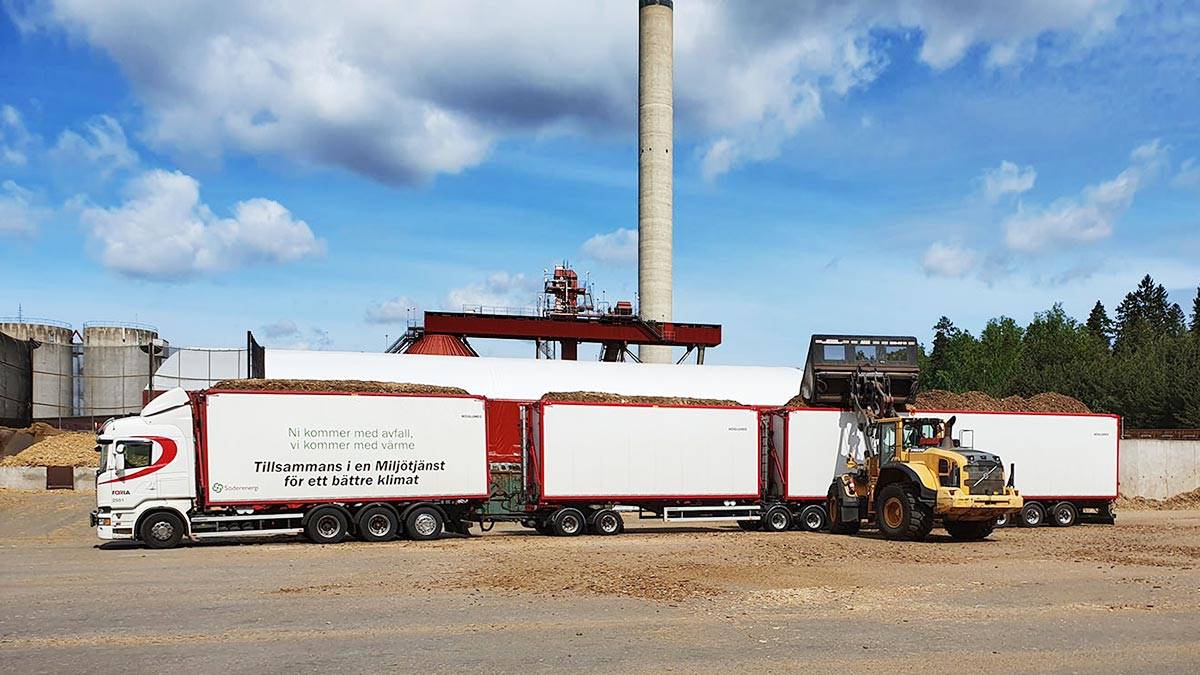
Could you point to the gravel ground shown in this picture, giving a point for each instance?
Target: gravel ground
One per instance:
(1089, 598)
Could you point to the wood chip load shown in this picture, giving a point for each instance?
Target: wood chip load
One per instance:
(353, 386)
(977, 401)
(603, 397)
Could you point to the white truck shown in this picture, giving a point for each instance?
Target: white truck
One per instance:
(254, 463)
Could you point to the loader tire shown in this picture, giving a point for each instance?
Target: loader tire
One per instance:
(970, 531)
(836, 524)
(900, 516)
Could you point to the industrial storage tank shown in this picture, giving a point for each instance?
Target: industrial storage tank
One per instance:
(118, 359)
(53, 379)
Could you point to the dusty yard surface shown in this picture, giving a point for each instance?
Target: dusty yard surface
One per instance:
(1084, 599)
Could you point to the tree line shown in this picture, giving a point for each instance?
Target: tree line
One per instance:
(1142, 364)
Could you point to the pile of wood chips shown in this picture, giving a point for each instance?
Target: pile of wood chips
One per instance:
(65, 448)
(603, 397)
(1180, 502)
(349, 386)
(977, 401)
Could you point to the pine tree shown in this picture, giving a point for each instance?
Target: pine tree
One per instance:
(1099, 325)
(1145, 314)
(1196, 314)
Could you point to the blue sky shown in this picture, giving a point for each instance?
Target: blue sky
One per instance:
(309, 175)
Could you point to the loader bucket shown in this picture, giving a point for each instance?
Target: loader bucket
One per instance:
(836, 361)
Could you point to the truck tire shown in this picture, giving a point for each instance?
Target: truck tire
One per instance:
(607, 523)
(900, 516)
(567, 522)
(750, 525)
(778, 518)
(836, 525)
(1064, 514)
(813, 518)
(543, 527)
(1033, 514)
(326, 525)
(969, 530)
(1004, 520)
(377, 523)
(161, 530)
(424, 523)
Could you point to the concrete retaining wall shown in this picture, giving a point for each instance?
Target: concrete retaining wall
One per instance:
(34, 478)
(1157, 469)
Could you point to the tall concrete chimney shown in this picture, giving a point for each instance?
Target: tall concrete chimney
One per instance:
(655, 167)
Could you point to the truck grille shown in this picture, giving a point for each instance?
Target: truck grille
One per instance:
(992, 485)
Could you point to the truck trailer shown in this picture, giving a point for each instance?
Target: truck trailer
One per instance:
(1067, 464)
(323, 464)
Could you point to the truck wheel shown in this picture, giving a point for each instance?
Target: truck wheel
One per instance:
(777, 519)
(326, 525)
(1033, 514)
(567, 522)
(1064, 514)
(900, 516)
(1003, 521)
(969, 531)
(377, 523)
(750, 525)
(543, 527)
(607, 523)
(836, 524)
(424, 523)
(161, 530)
(813, 518)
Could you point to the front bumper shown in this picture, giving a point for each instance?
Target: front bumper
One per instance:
(962, 506)
(103, 522)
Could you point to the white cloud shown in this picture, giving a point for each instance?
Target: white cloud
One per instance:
(163, 231)
(403, 92)
(499, 290)
(948, 260)
(1007, 179)
(396, 310)
(105, 145)
(1188, 176)
(15, 139)
(19, 215)
(281, 328)
(1089, 217)
(619, 247)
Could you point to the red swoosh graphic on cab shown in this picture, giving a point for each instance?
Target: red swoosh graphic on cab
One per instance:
(169, 450)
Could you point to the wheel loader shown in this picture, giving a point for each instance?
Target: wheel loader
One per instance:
(912, 474)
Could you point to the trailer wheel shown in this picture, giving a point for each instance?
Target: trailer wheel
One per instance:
(1064, 514)
(424, 523)
(377, 523)
(161, 530)
(777, 519)
(1003, 520)
(1033, 514)
(607, 522)
(567, 522)
(813, 518)
(326, 525)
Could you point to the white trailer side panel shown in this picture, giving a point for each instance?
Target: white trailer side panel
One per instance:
(1056, 456)
(629, 452)
(818, 443)
(267, 447)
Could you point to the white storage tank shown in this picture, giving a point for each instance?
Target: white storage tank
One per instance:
(118, 359)
(53, 380)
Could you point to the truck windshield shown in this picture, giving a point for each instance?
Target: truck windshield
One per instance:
(103, 447)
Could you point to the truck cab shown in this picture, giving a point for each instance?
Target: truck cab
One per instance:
(145, 486)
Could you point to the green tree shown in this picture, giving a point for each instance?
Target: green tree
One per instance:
(1146, 312)
(999, 355)
(1099, 325)
(953, 362)
(1195, 327)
